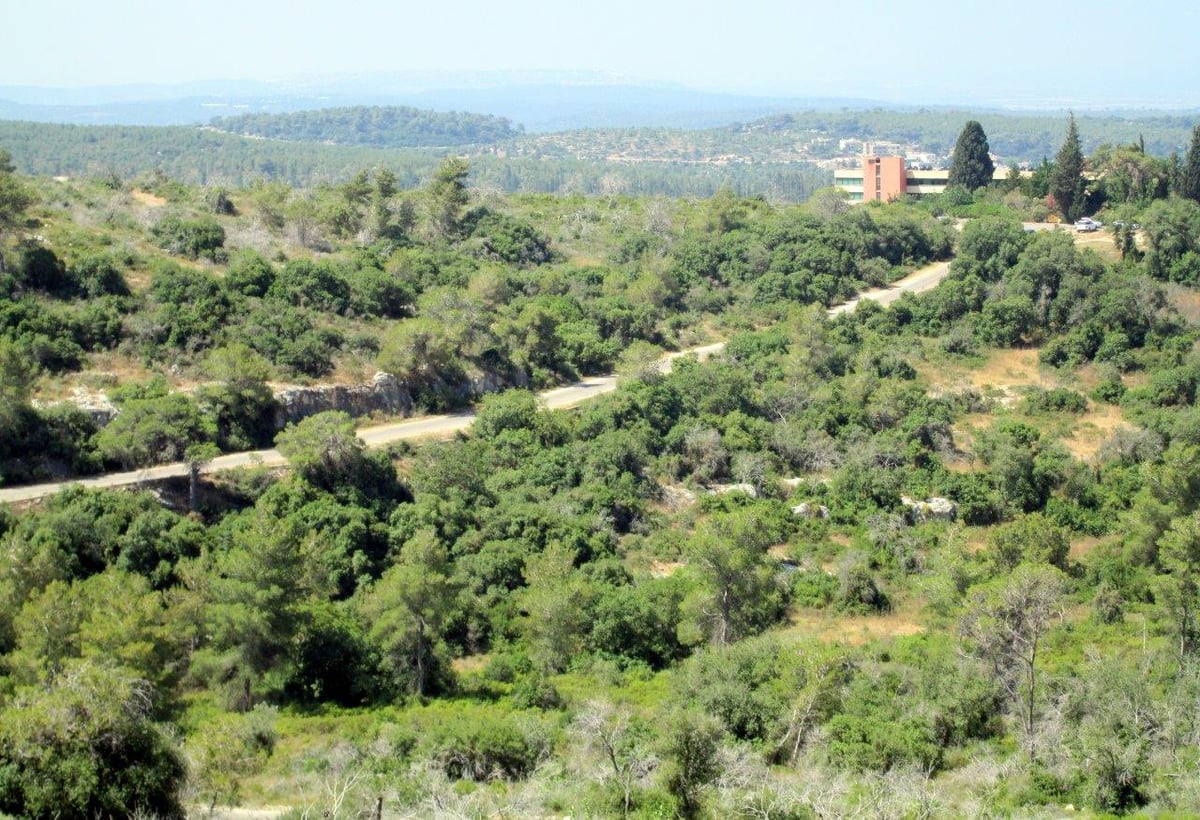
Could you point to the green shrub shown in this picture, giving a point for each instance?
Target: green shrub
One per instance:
(484, 745)
(857, 590)
(85, 746)
(813, 588)
(191, 238)
(1057, 400)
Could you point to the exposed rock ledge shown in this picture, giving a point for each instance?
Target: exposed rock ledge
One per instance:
(95, 404)
(383, 394)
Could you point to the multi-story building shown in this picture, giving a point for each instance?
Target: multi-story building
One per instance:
(886, 178)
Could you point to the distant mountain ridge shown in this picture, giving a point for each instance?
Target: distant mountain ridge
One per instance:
(379, 126)
(537, 101)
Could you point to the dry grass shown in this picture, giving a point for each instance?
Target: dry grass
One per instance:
(471, 664)
(665, 569)
(1006, 375)
(975, 538)
(1093, 428)
(116, 368)
(1082, 545)
(1186, 301)
(832, 627)
(1001, 373)
(964, 431)
(148, 199)
(138, 280)
(780, 552)
(1101, 242)
(586, 260)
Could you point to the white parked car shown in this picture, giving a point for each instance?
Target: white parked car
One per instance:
(1087, 225)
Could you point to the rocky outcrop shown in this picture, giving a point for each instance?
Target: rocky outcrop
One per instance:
(383, 394)
(809, 510)
(725, 489)
(931, 509)
(677, 498)
(96, 405)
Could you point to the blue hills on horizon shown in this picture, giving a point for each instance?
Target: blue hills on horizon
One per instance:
(538, 103)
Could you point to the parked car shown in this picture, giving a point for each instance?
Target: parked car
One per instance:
(1087, 225)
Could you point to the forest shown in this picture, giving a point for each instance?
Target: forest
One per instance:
(207, 157)
(775, 157)
(939, 558)
(383, 126)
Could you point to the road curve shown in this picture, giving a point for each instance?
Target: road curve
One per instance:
(918, 282)
(445, 425)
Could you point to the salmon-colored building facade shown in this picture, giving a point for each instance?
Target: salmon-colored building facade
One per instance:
(884, 178)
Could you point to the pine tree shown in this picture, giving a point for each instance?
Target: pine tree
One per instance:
(1067, 185)
(971, 165)
(1174, 172)
(1189, 178)
(14, 198)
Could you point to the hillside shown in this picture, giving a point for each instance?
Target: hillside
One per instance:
(205, 157)
(931, 559)
(783, 157)
(382, 127)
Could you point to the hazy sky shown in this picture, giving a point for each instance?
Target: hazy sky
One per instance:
(1132, 51)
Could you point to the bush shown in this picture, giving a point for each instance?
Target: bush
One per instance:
(1032, 538)
(250, 274)
(1058, 400)
(500, 237)
(483, 745)
(1109, 391)
(375, 293)
(857, 590)
(867, 742)
(40, 269)
(98, 275)
(192, 238)
(318, 285)
(85, 747)
(814, 588)
(193, 306)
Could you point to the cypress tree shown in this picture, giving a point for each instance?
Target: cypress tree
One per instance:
(1067, 185)
(971, 165)
(1189, 178)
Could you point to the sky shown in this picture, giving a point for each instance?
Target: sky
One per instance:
(934, 52)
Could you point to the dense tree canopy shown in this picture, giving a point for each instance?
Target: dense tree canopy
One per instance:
(391, 126)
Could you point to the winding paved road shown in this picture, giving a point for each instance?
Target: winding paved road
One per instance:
(444, 425)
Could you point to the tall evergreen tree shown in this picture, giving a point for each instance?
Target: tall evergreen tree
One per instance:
(14, 198)
(971, 165)
(448, 197)
(1067, 185)
(1189, 182)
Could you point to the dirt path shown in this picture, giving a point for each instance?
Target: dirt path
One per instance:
(445, 425)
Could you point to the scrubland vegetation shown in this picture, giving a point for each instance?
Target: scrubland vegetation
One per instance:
(730, 590)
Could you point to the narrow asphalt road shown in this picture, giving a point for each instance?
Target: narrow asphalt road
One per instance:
(445, 425)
